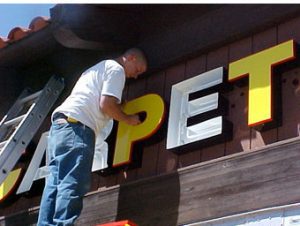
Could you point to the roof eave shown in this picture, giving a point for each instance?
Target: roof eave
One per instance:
(29, 49)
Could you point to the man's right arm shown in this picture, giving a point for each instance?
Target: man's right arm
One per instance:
(110, 106)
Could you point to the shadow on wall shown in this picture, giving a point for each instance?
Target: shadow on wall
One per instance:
(150, 202)
(26, 218)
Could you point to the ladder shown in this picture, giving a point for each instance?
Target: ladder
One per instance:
(22, 121)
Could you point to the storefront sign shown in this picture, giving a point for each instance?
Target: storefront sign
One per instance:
(154, 108)
(259, 68)
(184, 107)
(181, 109)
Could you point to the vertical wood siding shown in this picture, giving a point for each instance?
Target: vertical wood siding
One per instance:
(156, 160)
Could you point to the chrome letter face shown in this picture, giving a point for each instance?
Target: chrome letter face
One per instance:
(36, 172)
(182, 108)
(101, 148)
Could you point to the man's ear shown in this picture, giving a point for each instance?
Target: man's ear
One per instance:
(131, 57)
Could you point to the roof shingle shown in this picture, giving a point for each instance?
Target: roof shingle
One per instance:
(18, 33)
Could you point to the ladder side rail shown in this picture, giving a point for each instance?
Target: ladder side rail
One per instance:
(12, 147)
(25, 131)
(15, 108)
(12, 112)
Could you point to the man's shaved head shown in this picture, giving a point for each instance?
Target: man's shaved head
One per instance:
(137, 53)
(134, 62)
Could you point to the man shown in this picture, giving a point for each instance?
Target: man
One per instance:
(94, 100)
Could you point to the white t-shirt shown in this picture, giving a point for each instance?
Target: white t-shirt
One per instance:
(83, 104)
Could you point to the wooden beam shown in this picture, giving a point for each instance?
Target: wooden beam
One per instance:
(229, 185)
(233, 184)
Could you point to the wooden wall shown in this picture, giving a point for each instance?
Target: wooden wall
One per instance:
(156, 160)
(232, 184)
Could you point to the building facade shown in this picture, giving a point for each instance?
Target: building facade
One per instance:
(184, 172)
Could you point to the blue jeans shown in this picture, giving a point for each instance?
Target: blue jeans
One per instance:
(71, 150)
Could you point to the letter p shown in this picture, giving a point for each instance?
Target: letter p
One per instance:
(127, 135)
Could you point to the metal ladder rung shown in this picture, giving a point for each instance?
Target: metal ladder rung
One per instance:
(3, 143)
(14, 120)
(30, 97)
(18, 130)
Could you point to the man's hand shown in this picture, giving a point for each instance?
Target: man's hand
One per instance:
(133, 120)
(109, 105)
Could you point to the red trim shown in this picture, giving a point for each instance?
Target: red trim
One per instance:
(238, 77)
(261, 122)
(119, 223)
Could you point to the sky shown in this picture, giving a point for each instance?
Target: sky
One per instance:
(20, 15)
